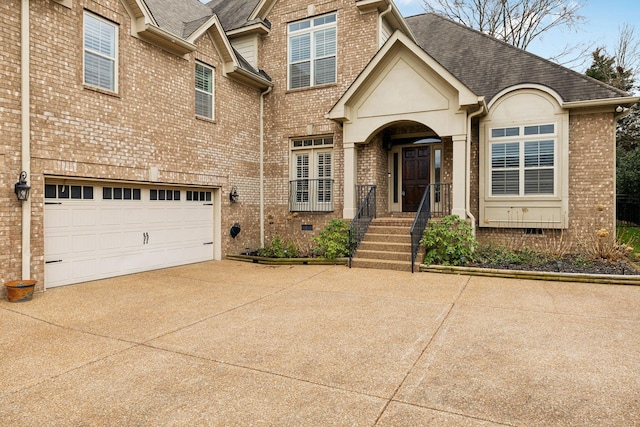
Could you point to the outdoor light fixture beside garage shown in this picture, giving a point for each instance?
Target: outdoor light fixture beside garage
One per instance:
(233, 195)
(21, 187)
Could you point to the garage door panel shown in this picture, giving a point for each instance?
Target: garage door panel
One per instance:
(111, 216)
(56, 218)
(99, 238)
(86, 217)
(85, 269)
(111, 265)
(135, 216)
(193, 234)
(84, 243)
(131, 240)
(57, 245)
(57, 273)
(108, 241)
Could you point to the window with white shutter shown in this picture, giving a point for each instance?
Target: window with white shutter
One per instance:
(204, 91)
(525, 164)
(100, 53)
(312, 52)
(311, 186)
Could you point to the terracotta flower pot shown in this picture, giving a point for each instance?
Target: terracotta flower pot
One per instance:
(20, 290)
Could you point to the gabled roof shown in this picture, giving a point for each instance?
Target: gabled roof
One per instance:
(175, 25)
(488, 66)
(400, 41)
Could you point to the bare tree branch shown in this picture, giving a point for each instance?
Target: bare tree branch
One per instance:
(627, 51)
(517, 22)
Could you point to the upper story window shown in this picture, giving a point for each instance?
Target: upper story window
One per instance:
(523, 160)
(312, 52)
(204, 91)
(100, 52)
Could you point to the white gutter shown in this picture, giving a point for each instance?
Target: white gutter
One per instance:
(381, 22)
(626, 100)
(262, 95)
(26, 141)
(468, 177)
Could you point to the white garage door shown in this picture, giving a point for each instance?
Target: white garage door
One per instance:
(94, 231)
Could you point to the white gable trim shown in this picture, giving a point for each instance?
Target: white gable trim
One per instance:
(340, 111)
(542, 88)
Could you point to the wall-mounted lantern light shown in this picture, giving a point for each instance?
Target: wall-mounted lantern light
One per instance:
(233, 195)
(21, 187)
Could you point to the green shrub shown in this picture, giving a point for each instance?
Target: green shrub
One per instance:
(449, 241)
(333, 240)
(278, 248)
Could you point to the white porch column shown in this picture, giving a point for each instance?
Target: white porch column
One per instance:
(350, 177)
(459, 176)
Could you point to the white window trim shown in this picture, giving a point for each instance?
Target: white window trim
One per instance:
(313, 151)
(521, 139)
(213, 89)
(311, 30)
(116, 51)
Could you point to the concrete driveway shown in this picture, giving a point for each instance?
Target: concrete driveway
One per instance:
(231, 343)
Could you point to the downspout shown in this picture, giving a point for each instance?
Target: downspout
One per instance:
(468, 177)
(25, 138)
(262, 95)
(380, 16)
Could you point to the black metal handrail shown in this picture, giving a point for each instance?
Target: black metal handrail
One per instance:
(311, 195)
(420, 223)
(441, 199)
(360, 223)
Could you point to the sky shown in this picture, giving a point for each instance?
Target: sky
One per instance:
(604, 18)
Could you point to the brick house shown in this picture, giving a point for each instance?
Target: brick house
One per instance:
(148, 128)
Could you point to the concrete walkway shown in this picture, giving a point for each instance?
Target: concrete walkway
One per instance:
(231, 343)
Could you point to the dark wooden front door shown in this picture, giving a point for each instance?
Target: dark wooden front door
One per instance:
(415, 176)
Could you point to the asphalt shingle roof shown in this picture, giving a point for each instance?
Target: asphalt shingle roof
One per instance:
(183, 17)
(487, 65)
(178, 17)
(233, 14)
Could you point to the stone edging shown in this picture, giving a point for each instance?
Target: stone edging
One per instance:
(610, 279)
(287, 261)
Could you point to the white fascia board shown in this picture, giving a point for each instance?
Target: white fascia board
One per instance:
(257, 28)
(212, 26)
(174, 43)
(368, 6)
(262, 9)
(627, 101)
(138, 9)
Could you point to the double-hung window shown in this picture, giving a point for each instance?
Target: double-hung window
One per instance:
(523, 161)
(312, 52)
(311, 189)
(204, 91)
(100, 53)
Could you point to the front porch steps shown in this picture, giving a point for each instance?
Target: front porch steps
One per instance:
(387, 245)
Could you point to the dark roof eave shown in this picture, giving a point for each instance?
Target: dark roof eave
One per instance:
(249, 78)
(259, 28)
(165, 40)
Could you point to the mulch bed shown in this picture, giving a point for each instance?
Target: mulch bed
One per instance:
(570, 264)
